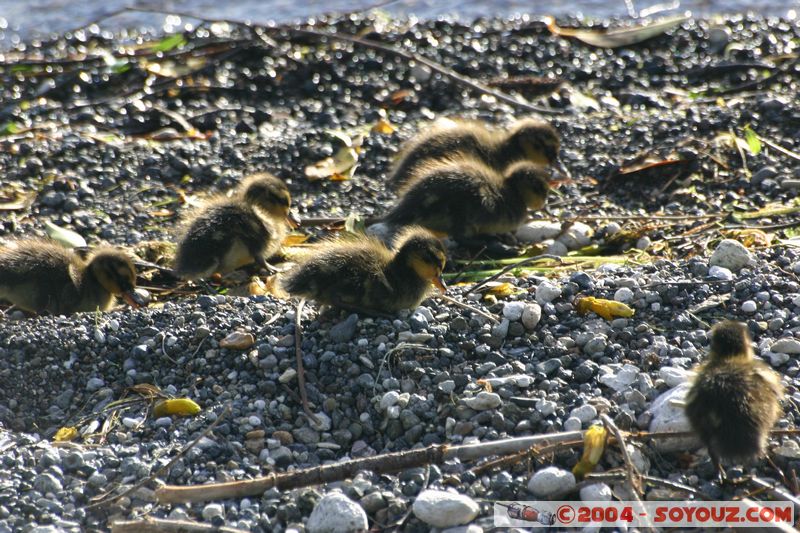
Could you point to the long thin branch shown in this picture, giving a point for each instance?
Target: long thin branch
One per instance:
(298, 353)
(160, 525)
(512, 266)
(385, 463)
(409, 56)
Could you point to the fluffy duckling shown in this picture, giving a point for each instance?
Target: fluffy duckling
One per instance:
(466, 198)
(733, 401)
(229, 233)
(529, 139)
(363, 275)
(40, 275)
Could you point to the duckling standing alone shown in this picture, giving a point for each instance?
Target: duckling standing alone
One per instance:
(363, 274)
(530, 140)
(734, 399)
(39, 275)
(228, 233)
(465, 198)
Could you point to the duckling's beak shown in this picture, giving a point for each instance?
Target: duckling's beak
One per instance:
(292, 220)
(439, 282)
(136, 298)
(561, 171)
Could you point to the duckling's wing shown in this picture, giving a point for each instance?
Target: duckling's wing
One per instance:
(451, 200)
(464, 139)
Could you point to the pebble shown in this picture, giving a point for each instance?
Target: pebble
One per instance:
(572, 424)
(596, 492)
(585, 413)
(749, 307)
(722, 273)
(336, 513)
(669, 415)
(47, 483)
(95, 384)
(212, 510)
(345, 330)
(673, 376)
(732, 255)
(538, 231)
(550, 481)
(786, 345)
(484, 401)
(621, 379)
(623, 294)
(439, 508)
(238, 341)
(546, 292)
(531, 316)
(514, 310)
(577, 236)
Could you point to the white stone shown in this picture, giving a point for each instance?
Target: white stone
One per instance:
(531, 316)
(622, 379)
(643, 243)
(389, 399)
(323, 422)
(557, 248)
(669, 415)
(596, 492)
(673, 376)
(336, 513)
(749, 307)
(786, 345)
(612, 228)
(547, 291)
(577, 236)
(572, 424)
(513, 310)
(788, 449)
(520, 380)
(443, 509)
(537, 231)
(585, 413)
(623, 294)
(731, 254)
(551, 480)
(639, 459)
(721, 273)
(471, 528)
(211, 510)
(483, 401)
(796, 301)
(546, 407)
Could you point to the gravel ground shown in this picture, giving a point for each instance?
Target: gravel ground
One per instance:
(98, 161)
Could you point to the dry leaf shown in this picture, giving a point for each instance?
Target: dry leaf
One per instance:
(16, 200)
(64, 236)
(293, 239)
(594, 443)
(145, 389)
(485, 384)
(751, 237)
(341, 163)
(608, 309)
(618, 37)
(176, 406)
(383, 127)
(238, 341)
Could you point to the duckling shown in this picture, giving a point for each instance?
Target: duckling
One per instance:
(39, 275)
(465, 197)
(364, 275)
(528, 139)
(733, 401)
(229, 233)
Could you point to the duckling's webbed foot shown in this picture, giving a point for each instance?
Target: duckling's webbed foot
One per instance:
(491, 247)
(263, 263)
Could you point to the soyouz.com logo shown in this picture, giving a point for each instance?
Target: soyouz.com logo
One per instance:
(642, 514)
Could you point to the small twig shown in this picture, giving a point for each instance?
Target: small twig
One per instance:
(759, 84)
(167, 466)
(161, 525)
(632, 475)
(674, 485)
(776, 492)
(511, 267)
(463, 305)
(298, 352)
(776, 526)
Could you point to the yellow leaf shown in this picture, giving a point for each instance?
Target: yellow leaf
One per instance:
(485, 384)
(293, 239)
(594, 443)
(502, 290)
(751, 237)
(177, 406)
(344, 160)
(65, 434)
(607, 309)
(383, 127)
